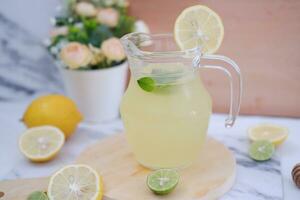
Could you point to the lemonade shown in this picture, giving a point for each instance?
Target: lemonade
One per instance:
(166, 108)
(166, 127)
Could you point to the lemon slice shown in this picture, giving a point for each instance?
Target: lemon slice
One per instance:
(41, 143)
(270, 132)
(199, 26)
(75, 182)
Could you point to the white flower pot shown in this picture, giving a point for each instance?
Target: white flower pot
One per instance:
(98, 93)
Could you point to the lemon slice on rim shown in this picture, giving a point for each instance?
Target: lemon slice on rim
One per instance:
(74, 182)
(199, 26)
(41, 143)
(270, 132)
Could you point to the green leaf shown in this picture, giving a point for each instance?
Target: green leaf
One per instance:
(66, 21)
(78, 35)
(89, 24)
(125, 25)
(61, 21)
(38, 195)
(147, 84)
(99, 34)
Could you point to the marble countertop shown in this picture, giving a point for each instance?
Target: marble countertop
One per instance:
(259, 181)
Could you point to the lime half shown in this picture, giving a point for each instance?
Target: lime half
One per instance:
(163, 181)
(261, 150)
(38, 196)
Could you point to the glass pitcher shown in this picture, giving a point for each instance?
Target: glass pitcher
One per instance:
(166, 108)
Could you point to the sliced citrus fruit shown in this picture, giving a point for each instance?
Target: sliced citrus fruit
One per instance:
(199, 26)
(163, 181)
(273, 133)
(261, 150)
(41, 143)
(75, 182)
(38, 196)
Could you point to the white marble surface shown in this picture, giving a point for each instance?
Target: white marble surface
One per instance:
(255, 181)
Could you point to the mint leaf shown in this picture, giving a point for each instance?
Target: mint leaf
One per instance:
(38, 196)
(147, 84)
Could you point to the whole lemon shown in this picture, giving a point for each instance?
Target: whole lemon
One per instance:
(56, 110)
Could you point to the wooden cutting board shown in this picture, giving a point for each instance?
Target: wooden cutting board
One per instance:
(124, 179)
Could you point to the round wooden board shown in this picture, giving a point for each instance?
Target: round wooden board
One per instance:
(124, 179)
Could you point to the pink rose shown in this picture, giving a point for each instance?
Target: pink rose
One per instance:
(62, 30)
(85, 9)
(113, 49)
(108, 16)
(76, 55)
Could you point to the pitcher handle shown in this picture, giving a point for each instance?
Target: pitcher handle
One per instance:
(234, 74)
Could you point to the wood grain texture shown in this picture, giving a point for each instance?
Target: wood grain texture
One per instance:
(124, 179)
(22, 188)
(262, 36)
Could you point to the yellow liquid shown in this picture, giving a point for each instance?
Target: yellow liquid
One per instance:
(166, 128)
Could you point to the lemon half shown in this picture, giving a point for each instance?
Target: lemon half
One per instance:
(271, 132)
(199, 26)
(75, 182)
(41, 143)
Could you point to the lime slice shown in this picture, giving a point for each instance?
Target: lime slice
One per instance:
(163, 181)
(271, 132)
(38, 196)
(261, 150)
(199, 26)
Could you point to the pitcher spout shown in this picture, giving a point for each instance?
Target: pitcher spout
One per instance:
(132, 41)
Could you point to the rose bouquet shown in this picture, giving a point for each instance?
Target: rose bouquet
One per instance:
(86, 33)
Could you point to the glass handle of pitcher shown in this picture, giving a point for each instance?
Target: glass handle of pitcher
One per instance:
(233, 72)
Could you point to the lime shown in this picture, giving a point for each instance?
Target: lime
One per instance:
(261, 150)
(38, 196)
(163, 181)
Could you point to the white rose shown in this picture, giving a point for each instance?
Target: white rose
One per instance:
(108, 16)
(61, 30)
(141, 26)
(85, 9)
(113, 49)
(76, 55)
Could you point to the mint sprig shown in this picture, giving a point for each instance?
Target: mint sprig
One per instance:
(147, 84)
